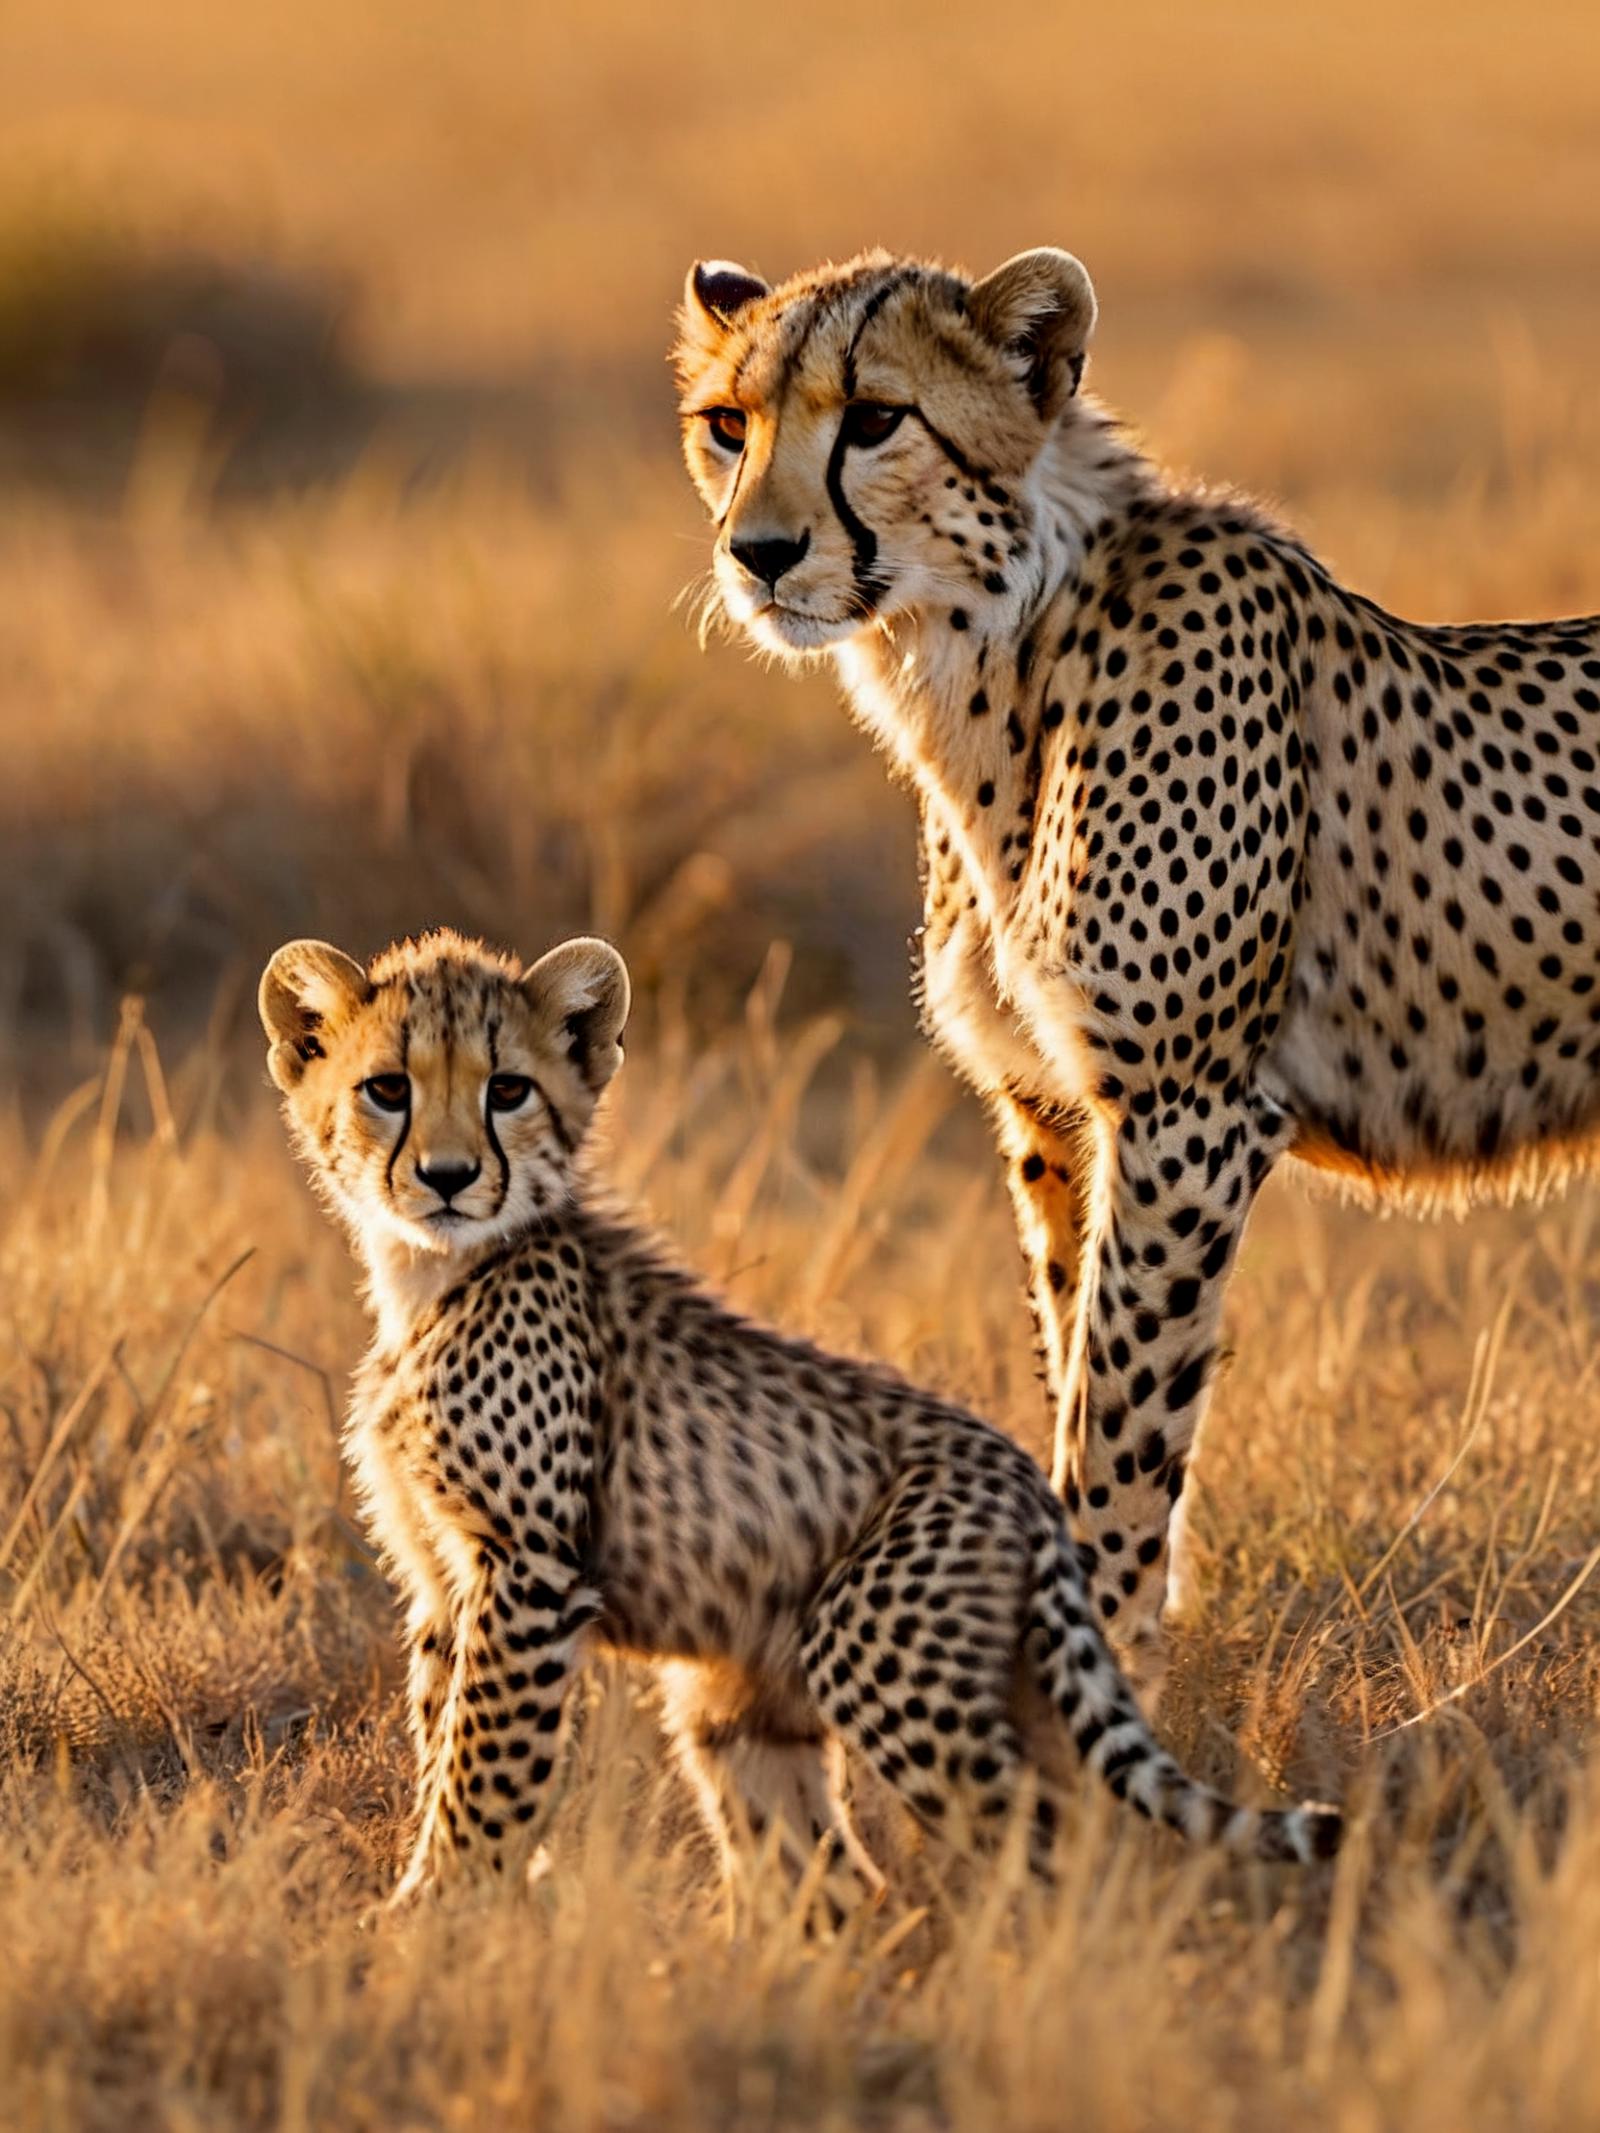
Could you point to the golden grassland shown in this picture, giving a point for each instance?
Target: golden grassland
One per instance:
(340, 533)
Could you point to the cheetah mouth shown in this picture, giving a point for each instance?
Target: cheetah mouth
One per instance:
(798, 631)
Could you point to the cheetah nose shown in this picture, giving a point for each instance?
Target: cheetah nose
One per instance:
(447, 1179)
(768, 559)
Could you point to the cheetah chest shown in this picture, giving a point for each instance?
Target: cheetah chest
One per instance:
(1006, 1021)
(965, 1013)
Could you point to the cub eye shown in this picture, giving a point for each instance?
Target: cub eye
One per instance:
(390, 1092)
(727, 426)
(869, 422)
(508, 1092)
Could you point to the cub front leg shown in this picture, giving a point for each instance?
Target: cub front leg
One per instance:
(483, 1803)
(429, 1644)
(1170, 1213)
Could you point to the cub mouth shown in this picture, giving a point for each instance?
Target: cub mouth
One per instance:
(444, 1222)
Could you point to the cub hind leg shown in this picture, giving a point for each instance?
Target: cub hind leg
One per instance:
(764, 1771)
(911, 1652)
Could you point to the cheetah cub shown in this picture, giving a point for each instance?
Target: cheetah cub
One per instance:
(564, 1442)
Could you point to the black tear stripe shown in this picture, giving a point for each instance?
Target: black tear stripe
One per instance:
(499, 1156)
(870, 583)
(405, 1130)
(733, 493)
(488, 1115)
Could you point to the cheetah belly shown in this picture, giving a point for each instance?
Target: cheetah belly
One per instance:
(1477, 1102)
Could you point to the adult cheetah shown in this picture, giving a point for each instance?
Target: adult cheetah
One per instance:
(1220, 861)
(563, 1441)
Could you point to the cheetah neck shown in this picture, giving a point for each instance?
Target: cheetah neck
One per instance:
(958, 700)
(403, 1284)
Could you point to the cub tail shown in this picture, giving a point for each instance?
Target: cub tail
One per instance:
(1076, 1670)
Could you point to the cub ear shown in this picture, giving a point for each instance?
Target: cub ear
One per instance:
(1040, 306)
(714, 294)
(581, 991)
(306, 986)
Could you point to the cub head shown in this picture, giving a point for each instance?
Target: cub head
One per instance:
(441, 1093)
(862, 435)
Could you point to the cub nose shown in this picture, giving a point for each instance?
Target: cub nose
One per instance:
(447, 1179)
(768, 559)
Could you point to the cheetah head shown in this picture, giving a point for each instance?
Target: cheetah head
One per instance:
(863, 435)
(440, 1094)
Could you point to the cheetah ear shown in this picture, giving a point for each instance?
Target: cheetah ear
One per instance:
(307, 986)
(718, 289)
(714, 294)
(581, 991)
(1040, 306)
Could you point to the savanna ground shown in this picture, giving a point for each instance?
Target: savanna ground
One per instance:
(339, 536)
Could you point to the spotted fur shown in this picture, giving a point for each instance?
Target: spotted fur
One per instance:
(564, 1442)
(1221, 862)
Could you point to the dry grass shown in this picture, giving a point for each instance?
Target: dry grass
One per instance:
(340, 532)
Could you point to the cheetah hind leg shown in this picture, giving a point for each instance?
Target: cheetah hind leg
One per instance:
(765, 1776)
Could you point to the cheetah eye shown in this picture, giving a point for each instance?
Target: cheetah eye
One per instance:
(727, 426)
(870, 422)
(508, 1092)
(390, 1092)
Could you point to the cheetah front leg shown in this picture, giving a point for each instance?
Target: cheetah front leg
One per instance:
(1050, 1157)
(482, 1806)
(1171, 1208)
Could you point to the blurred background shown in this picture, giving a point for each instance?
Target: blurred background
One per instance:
(341, 522)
